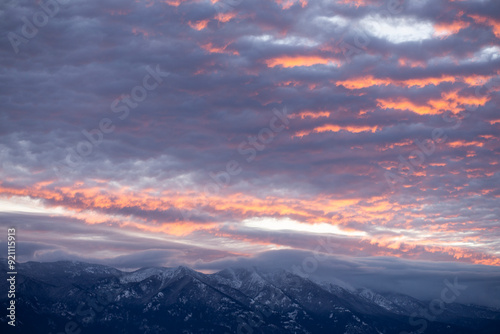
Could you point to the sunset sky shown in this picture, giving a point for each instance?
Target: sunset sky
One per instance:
(373, 123)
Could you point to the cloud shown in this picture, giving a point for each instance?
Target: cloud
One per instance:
(390, 145)
(422, 280)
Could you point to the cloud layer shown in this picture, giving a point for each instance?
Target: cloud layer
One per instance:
(198, 131)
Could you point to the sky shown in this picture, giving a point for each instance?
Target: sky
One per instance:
(208, 133)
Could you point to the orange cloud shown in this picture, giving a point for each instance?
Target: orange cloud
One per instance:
(290, 83)
(491, 137)
(476, 80)
(225, 17)
(363, 82)
(174, 3)
(289, 61)
(95, 203)
(285, 4)
(452, 101)
(463, 143)
(183, 229)
(447, 29)
(357, 3)
(405, 104)
(449, 101)
(311, 114)
(352, 128)
(213, 49)
(198, 25)
(427, 81)
(370, 81)
(336, 128)
(402, 143)
(403, 62)
(488, 21)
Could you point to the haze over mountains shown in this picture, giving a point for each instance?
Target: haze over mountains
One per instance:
(78, 297)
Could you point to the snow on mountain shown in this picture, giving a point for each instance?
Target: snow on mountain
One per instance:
(234, 300)
(142, 274)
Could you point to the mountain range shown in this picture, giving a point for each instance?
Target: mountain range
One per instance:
(77, 298)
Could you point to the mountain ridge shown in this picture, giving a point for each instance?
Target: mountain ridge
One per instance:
(233, 300)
